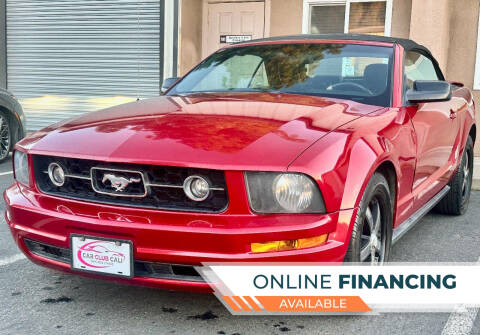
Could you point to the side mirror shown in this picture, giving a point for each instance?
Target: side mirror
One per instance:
(429, 91)
(168, 82)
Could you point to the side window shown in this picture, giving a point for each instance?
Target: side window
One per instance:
(418, 67)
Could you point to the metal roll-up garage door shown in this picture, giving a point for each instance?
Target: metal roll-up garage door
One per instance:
(68, 57)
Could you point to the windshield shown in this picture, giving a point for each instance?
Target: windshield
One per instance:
(349, 71)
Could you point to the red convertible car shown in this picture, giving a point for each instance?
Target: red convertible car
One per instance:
(308, 148)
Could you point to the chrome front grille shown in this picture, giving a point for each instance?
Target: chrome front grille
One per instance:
(147, 186)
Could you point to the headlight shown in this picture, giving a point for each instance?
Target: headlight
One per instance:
(271, 192)
(20, 164)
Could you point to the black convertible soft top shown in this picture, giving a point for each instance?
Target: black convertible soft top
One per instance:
(405, 43)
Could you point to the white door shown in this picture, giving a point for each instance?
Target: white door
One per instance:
(234, 19)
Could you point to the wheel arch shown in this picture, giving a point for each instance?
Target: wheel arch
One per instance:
(384, 166)
(473, 132)
(368, 162)
(387, 169)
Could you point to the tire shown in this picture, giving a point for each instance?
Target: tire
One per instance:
(6, 138)
(457, 199)
(375, 200)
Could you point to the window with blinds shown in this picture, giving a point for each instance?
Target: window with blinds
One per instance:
(327, 19)
(65, 58)
(365, 17)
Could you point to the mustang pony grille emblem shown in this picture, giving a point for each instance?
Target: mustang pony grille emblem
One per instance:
(119, 183)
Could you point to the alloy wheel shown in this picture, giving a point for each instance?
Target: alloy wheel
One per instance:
(372, 246)
(4, 137)
(467, 176)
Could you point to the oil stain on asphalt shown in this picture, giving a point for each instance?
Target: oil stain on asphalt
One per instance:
(169, 310)
(56, 300)
(205, 316)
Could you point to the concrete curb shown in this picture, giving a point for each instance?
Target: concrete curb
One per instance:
(476, 174)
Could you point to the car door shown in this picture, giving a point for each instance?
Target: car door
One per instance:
(436, 127)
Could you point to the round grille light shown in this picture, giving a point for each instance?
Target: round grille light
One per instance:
(196, 188)
(56, 174)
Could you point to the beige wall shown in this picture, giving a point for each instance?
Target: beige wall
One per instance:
(450, 32)
(401, 11)
(463, 41)
(286, 17)
(190, 35)
(429, 25)
(463, 45)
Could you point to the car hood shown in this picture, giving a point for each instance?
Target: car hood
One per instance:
(224, 131)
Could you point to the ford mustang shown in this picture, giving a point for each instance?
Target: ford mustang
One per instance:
(310, 148)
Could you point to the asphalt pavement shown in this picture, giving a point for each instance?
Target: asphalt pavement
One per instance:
(35, 300)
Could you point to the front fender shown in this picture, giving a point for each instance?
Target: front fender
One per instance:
(363, 163)
(342, 169)
(343, 161)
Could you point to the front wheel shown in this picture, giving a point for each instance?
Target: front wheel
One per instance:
(372, 232)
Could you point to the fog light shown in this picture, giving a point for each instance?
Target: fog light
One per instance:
(302, 243)
(196, 188)
(56, 174)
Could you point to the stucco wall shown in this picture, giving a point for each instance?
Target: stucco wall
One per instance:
(401, 12)
(463, 41)
(430, 25)
(476, 96)
(190, 36)
(286, 17)
(463, 45)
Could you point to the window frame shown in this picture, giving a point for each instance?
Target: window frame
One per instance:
(438, 70)
(307, 4)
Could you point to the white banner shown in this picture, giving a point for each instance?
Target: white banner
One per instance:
(390, 288)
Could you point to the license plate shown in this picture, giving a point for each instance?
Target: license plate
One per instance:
(100, 255)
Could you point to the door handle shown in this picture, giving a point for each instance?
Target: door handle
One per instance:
(453, 114)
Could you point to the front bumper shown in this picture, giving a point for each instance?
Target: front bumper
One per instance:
(163, 237)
